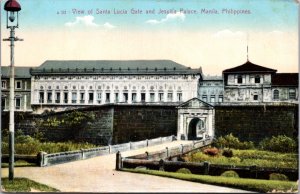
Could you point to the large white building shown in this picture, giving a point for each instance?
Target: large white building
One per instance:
(69, 83)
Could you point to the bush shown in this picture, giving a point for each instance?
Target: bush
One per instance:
(230, 173)
(227, 153)
(230, 141)
(184, 171)
(280, 143)
(278, 176)
(211, 151)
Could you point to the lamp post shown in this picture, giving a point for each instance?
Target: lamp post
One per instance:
(12, 8)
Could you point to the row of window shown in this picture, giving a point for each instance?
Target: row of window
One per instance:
(213, 98)
(18, 84)
(17, 103)
(107, 97)
(292, 94)
(240, 79)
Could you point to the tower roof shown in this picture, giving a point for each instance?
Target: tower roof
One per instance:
(249, 67)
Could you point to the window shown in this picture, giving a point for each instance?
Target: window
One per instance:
(3, 103)
(65, 97)
(57, 97)
(91, 97)
(143, 97)
(152, 97)
(74, 97)
(107, 99)
(257, 79)
(99, 97)
(49, 97)
(81, 97)
(161, 97)
(133, 97)
(18, 85)
(240, 79)
(41, 97)
(220, 98)
(212, 98)
(116, 97)
(4, 84)
(170, 97)
(179, 97)
(255, 97)
(18, 103)
(292, 94)
(125, 97)
(204, 98)
(276, 95)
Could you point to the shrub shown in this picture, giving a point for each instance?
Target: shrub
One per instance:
(227, 153)
(278, 176)
(230, 173)
(230, 141)
(184, 171)
(280, 143)
(211, 151)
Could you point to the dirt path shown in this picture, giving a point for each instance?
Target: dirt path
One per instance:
(98, 175)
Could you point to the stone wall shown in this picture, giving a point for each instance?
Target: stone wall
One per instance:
(134, 123)
(256, 122)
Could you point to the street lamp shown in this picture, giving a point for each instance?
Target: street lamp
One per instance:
(12, 8)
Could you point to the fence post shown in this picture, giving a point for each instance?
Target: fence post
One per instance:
(82, 154)
(109, 148)
(147, 143)
(147, 157)
(181, 149)
(160, 139)
(130, 145)
(206, 168)
(118, 161)
(40, 158)
(167, 151)
(161, 165)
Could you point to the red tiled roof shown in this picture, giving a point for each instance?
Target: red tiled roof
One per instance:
(249, 67)
(285, 79)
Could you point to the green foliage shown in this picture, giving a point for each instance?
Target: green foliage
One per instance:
(227, 153)
(230, 141)
(249, 158)
(230, 173)
(241, 183)
(280, 143)
(278, 176)
(184, 171)
(75, 119)
(24, 185)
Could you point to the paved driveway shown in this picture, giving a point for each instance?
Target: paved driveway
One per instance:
(98, 175)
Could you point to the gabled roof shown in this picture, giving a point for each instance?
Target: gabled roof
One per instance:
(285, 79)
(249, 67)
(20, 72)
(195, 103)
(113, 67)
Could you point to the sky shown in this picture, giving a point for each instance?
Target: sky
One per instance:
(211, 34)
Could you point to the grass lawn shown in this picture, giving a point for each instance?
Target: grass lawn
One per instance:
(240, 183)
(24, 185)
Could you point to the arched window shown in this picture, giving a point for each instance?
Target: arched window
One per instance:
(276, 95)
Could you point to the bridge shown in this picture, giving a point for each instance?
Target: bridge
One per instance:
(98, 174)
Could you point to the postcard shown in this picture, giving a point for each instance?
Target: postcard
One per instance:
(149, 96)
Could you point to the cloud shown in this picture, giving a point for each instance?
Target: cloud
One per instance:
(108, 26)
(170, 17)
(88, 21)
(228, 34)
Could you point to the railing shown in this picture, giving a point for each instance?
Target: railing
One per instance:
(63, 157)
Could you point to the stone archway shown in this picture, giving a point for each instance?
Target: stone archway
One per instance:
(196, 129)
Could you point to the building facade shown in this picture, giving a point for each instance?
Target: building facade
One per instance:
(251, 83)
(211, 89)
(22, 89)
(87, 83)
